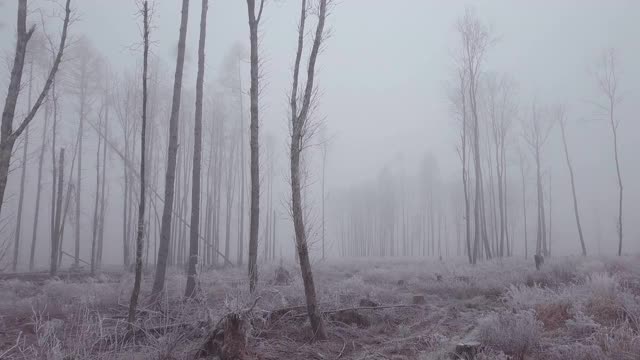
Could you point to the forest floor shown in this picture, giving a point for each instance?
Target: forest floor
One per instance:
(573, 308)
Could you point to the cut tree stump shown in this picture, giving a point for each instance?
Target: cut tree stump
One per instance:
(227, 341)
(282, 276)
(418, 300)
(467, 350)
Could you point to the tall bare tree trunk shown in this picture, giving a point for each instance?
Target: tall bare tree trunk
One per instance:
(83, 89)
(573, 184)
(54, 170)
(39, 189)
(165, 232)
(94, 228)
(197, 160)
(524, 205)
(299, 122)
(254, 219)
(243, 178)
(614, 130)
(133, 303)
(55, 243)
(102, 189)
(23, 173)
(8, 136)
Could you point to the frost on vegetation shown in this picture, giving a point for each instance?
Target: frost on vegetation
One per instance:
(516, 334)
(581, 326)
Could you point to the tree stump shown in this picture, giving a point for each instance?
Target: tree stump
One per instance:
(539, 259)
(282, 276)
(418, 300)
(467, 350)
(228, 341)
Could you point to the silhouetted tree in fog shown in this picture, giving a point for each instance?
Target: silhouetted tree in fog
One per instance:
(172, 152)
(9, 136)
(607, 79)
(301, 130)
(133, 303)
(194, 233)
(562, 120)
(254, 219)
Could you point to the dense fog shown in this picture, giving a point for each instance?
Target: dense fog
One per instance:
(384, 162)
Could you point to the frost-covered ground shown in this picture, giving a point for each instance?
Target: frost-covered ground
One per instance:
(573, 308)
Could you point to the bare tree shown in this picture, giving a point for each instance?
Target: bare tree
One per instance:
(562, 120)
(55, 239)
(536, 133)
(607, 79)
(475, 41)
(190, 290)
(254, 219)
(501, 113)
(8, 135)
(301, 130)
(523, 171)
(23, 172)
(459, 102)
(165, 231)
(133, 303)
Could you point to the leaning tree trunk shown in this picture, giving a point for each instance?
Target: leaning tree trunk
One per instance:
(133, 303)
(298, 127)
(573, 188)
(23, 168)
(254, 219)
(190, 290)
(165, 231)
(38, 189)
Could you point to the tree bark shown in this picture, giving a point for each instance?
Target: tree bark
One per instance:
(55, 243)
(573, 187)
(133, 303)
(38, 189)
(299, 122)
(23, 172)
(94, 228)
(254, 219)
(194, 238)
(165, 232)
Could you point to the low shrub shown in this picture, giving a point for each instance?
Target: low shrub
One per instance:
(515, 333)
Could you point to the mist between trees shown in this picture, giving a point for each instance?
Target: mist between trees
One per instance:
(124, 161)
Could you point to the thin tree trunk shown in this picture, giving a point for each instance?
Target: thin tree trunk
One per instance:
(55, 243)
(39, 189)
(614, 129)
(243, 185)
(573, 187)
(163, 250)
(76, 253)
(23, 173)
(133, 303)
(254, 220)
(94, 231)
(299, 121)
(54, 170)
(197, 160)
(102, 189)
(8, 136)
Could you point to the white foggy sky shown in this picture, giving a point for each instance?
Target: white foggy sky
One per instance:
(385, 71)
